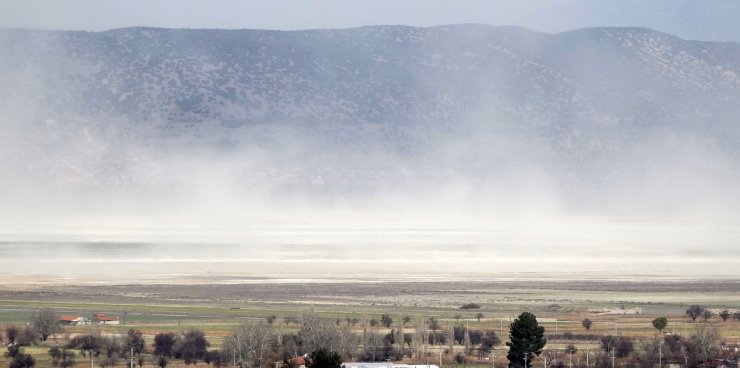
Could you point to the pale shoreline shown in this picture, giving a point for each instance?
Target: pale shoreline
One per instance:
(17, 282)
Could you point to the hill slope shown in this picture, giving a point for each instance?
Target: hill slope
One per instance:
(370, 108)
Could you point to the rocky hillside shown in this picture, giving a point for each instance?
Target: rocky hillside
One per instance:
(468, 98)
(373, 74)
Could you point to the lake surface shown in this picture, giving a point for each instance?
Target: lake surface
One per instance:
(575, 247)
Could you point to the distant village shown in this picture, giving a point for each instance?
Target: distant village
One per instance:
(98, 319)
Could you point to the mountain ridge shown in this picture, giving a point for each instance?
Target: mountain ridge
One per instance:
(130, 47)
(461, 99)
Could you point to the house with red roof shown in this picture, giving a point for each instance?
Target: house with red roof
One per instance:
(102, 319)
(68, 320)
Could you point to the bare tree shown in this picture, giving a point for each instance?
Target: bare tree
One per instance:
(420, 338)
(706, 314)
(468, 345)
(703, 343)
(434, 326)
(374, 346)
(322, 334)
(649, 353)
(134, 342)
(398, 339)
(386, 320)
(46, 323)
(290, 319)
(406, 319)
(725, 314)
(11, 333)
(250, 342)
(451, 338)
(63, 358)
(694, 311)
(586, 323)
(91, 345)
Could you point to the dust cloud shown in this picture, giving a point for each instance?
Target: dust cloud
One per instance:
(106, 197)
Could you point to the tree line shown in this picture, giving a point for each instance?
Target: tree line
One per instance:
(325, 341)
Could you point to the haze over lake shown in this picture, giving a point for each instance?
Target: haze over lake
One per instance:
(372, 152)
(578, 248)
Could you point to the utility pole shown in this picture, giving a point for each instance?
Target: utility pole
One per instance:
(660, 356)
(612, 357)
(570, 358)
(131, 365)
(525, 360)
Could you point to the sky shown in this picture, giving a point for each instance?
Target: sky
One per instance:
(711, 20)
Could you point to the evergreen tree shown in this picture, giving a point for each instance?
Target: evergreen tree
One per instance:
(323, 358)
(526, 338)
(660, 323)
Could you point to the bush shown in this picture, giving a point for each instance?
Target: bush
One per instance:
(23, 361)
(622, 345)
(470, 306)
(459, 358)
(13, 351)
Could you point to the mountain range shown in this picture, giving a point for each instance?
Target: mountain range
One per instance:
(370, 107)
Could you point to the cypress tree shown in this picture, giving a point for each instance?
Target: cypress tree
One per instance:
(526, 337)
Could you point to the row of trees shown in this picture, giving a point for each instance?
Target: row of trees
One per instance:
(42, 324)
(107, 350)
(696, 311)
(645, 351)
(526, 341)
(253, 344)
(18, 358)
(258, 344)
(263, 343)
